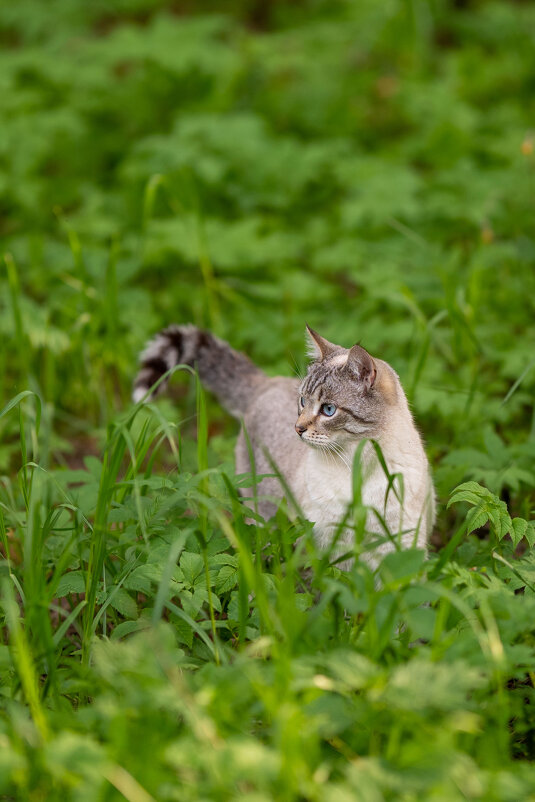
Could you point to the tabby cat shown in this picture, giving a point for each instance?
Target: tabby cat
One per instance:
(311, 429)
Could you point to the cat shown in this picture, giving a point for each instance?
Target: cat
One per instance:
(310, 430)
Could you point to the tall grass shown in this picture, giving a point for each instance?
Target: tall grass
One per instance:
(271, 673)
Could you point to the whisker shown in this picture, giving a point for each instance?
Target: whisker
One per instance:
(335, 448)
(326, 452)
(342, 456)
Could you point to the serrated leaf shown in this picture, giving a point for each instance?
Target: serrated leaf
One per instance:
(192, 602)
(518, 530)
(141, 579)
(502, 521)
(122, 602)
(530, 533)
(471, 492)
(73, 582)
(126, 628)
(224, 559)
(191, 565)
(476, 518)
(226, 579)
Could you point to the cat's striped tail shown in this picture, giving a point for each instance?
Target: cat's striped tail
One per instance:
(232, 376)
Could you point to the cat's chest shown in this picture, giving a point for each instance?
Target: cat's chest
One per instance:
(326, 490)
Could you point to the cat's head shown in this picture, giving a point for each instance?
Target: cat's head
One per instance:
(344, 396)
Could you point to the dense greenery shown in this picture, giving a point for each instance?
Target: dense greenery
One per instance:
(367, 167)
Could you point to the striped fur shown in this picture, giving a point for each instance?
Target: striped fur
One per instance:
(229, 374)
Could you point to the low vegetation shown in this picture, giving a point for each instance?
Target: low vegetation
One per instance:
(367, 168)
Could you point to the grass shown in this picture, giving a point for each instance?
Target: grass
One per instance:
(366, 168)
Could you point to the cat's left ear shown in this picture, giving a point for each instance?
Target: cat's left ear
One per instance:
(319, 347)
(360, 362)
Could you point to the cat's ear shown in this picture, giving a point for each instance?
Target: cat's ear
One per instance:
(360, 362)
(318, 347)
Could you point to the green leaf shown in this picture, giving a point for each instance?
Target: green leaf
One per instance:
(72, 582)
(421, 621)
(127, 628)
(142, 578)
(521, 528)
(226, 579)
(121, 601)
(401, 565)
(472, 492)
(530, 533)
(476, 518)
(192, 566)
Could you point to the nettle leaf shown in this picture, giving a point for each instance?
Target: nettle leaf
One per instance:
(472, 492)
(530, 533)
(73, 582)
(191, 565)
(192, 602)
(122, 602)
(120, 514)
(501, 520)
(477, 518)
(522, 528)
(140, 579)
(144, 577)
(226, 579)
(126, 628)
(233, 608)
(216, 603)
(488, 507)
(518, 530)
(225, 559)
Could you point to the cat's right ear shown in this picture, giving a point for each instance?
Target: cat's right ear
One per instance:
(361, 363)
(318, 347)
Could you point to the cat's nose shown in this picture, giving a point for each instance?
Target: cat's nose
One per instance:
(299, 428)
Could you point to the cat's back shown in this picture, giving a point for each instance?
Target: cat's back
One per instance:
(269, 426)
(271, 415)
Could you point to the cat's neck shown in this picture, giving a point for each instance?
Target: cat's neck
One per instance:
(400, 442)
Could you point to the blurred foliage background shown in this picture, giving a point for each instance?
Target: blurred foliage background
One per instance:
(366, 167)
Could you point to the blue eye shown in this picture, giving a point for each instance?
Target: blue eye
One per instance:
(302, 401)
(328, 409)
